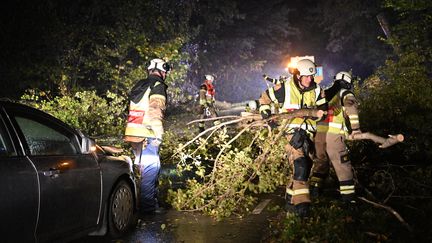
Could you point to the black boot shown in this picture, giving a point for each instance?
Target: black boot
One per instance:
(349, 202)
(316, 184)
(348, 198)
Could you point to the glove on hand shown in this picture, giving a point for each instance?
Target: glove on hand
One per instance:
(354, 132)
(265, 114)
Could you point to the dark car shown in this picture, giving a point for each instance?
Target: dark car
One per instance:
(56, 184)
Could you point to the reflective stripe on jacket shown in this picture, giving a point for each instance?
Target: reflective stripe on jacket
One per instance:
(206, 93)
(335, 121)
(296, 99)
(145, 116)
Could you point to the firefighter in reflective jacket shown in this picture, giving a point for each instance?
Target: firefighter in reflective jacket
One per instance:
(144, 129)
(206, 100)
(297, 93)
(342, 116)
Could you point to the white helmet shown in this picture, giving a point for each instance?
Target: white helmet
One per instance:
(159, 64)
(209, 77)
(306, 67)
(345, 76)
(252, 105)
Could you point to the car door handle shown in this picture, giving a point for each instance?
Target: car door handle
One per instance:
(51, 172)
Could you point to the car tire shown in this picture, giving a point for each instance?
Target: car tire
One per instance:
(121, 210)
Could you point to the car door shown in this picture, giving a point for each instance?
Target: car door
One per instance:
(19, 191)
(70, 182)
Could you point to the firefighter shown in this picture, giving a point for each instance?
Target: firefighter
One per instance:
(342, 117)
(299, 92)
(206, 100)
(144, 129)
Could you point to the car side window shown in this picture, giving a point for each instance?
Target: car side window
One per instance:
(6, 148)
(45, 140)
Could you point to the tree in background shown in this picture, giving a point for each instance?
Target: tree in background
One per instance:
(350, 30)
(397, 97)
(63, 53)
(65, 47)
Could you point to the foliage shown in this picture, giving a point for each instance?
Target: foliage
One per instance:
(331, 221)
(396, 99)
(99, 46)
(95, 115)
(400, 90)
(406, 191)
(352, 31)
(402, 97)
(226, 174)
(78, 60)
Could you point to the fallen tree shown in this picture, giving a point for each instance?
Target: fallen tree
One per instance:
(230, 168)
(241, 165)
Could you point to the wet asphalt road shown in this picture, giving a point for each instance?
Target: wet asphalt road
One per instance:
(175, 226)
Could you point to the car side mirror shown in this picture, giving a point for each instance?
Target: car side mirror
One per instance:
(88, 145)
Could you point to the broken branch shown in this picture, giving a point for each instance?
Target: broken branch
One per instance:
(384, 142)
(391, 210)
(288, 115)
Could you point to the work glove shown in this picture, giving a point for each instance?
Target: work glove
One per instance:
(265, 114)
(354, 132)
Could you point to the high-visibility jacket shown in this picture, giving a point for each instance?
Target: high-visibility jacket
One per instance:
(342, 114)
(148, 101)
(289, 96)
(207, 93)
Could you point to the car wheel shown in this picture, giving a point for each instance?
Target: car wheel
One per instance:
(121, 210)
